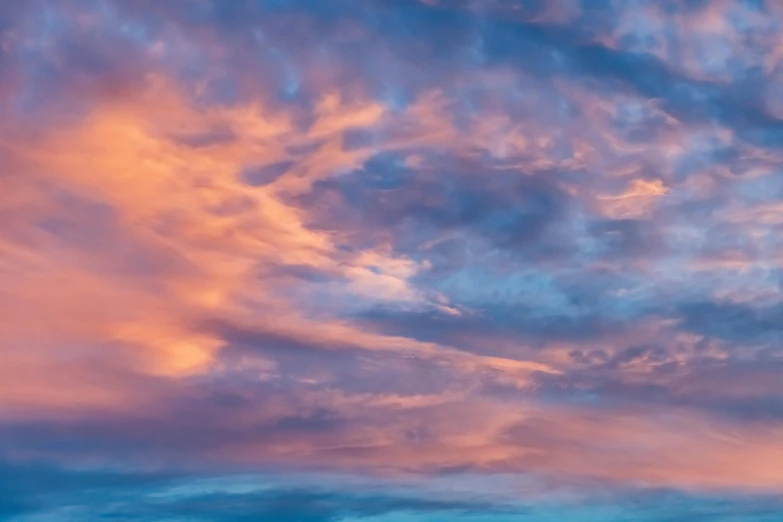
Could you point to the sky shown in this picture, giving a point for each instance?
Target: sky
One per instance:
(391, 260)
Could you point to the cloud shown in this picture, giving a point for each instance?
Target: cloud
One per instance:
(535, 243)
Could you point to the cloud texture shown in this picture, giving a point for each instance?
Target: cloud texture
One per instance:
(391, 260)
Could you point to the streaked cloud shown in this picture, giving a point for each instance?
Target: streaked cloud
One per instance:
(413, 259)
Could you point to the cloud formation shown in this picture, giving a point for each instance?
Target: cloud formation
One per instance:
(513, 260)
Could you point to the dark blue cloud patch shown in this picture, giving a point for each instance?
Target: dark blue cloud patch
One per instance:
(318, 420)
(627, 238)
(386, 171)
(197, 140)
(637, 122)
(338, 366)
(509, 209)
(74, 63)
(733, 322)
(264, 175)
(488, 330)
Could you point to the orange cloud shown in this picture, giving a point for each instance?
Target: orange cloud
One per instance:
(206, 234)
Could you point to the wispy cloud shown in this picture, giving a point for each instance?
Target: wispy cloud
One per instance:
(526, 244)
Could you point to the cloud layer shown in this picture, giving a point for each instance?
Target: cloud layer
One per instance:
(391, 260)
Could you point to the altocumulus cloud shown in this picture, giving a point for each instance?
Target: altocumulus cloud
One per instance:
(391, 260)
